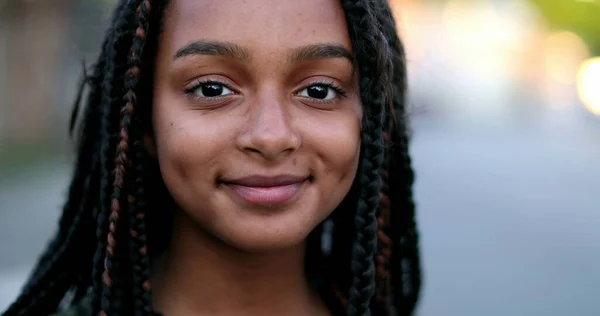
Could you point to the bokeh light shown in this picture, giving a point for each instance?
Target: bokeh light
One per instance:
(588, 84)
(564, 52)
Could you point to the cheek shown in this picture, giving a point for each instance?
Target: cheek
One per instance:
(339, 150)
(187, 147)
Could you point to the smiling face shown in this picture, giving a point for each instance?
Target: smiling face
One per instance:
(256, 116)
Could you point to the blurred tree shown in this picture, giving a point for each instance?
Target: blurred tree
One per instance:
(579, 16)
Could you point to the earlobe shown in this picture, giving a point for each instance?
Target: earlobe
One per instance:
(149, 145)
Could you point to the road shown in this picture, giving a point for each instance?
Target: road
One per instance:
(508, 217)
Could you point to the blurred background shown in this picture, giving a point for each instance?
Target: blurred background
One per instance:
(505, 103)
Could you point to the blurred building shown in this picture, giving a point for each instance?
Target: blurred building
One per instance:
(505, 101)
(43, 44)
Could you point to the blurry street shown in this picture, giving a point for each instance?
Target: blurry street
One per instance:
(505, 106)
(30, 206)
(509, 220)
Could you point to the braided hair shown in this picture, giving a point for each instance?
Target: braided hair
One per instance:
(108, 230)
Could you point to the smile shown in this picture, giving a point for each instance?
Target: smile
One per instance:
(266, 191)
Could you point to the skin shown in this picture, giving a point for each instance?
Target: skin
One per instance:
(230, 257)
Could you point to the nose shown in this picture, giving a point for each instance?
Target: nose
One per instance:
(269, 133)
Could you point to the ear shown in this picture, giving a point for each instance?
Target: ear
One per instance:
(150, 145)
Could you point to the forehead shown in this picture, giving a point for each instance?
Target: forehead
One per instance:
(258, 24)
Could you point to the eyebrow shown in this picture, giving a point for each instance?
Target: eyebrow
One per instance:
(213, 48)
(234, 51)
(322, 51)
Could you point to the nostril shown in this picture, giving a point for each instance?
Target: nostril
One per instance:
(252, 150)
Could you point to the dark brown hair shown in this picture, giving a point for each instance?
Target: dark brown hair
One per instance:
(107, 233)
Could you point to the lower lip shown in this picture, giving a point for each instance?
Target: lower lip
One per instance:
(266, 196)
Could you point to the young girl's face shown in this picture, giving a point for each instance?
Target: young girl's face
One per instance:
(256, 116)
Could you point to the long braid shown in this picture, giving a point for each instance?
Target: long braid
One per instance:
(382, 300)
(383, 220)
(138, 248)
(362, 288)
(405, 255)
(115, 40)
(111, 269)
(122, 159)
(338, 270)
(404, 260)
(68, 217)
(54, 273)
(95, 99)
(53, 279)
(111, 101)
(373, 72)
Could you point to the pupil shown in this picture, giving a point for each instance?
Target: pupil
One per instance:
(318, 92)
(212, 90)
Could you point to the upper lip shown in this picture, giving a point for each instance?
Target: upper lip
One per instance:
(266, 181)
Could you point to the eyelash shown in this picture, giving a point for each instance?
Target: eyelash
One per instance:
(198, 83)
(341, 94)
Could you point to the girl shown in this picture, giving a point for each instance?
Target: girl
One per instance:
(238, 158)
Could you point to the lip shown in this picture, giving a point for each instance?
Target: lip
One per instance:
(266, 191)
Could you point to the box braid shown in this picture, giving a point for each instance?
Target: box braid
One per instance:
(138, 247)
(111, 194)
(54, 271)
(138, 243)
(115, 273)
(405, 257)
(115, 44)
(394, 287)
(72, 216)
(66, 262)
(373, 60)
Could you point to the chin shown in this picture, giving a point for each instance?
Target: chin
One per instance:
(265, 242)
(253, 228)
(256, 229)
(269, 234)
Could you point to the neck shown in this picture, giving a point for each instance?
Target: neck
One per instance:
(201, 275)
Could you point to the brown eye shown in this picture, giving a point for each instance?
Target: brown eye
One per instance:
(319, 91)
(211, 90)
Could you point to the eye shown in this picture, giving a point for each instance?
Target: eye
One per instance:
(319, 91)
(210, 89)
